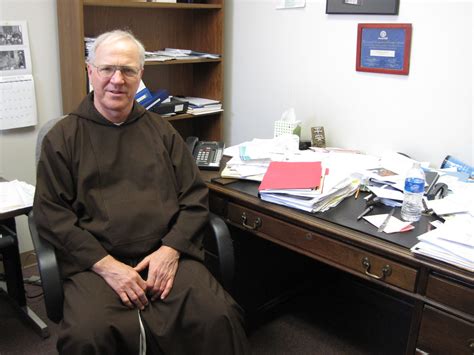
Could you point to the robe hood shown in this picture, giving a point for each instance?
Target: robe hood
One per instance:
(88, 111)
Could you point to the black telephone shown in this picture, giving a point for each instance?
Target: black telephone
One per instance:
(207, 154)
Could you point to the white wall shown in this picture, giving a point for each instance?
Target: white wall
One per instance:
(303, 58)
(17, 146)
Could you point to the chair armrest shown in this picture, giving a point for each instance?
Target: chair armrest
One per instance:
(219, 242)
(49, 273)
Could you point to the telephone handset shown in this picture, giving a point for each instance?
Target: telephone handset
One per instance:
(208, 154)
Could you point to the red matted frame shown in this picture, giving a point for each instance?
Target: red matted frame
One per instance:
(406, 51)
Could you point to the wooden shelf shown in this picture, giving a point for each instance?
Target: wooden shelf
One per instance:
(155, 5)
(182, 61)
(193, 26)
(187, 116)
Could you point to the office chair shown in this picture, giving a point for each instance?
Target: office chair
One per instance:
(219, 252)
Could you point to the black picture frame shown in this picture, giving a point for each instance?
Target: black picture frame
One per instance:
(364, 7)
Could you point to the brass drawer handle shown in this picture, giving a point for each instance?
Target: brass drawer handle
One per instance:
(256, 224)
(386, 270)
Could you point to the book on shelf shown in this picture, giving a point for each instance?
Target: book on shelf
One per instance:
(199, 101)
(173, 107)
(149, 99)
(201, 105)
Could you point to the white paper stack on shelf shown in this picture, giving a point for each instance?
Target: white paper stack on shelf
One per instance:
(15, 195)
(156, 57)
(201, 106)
(452, 242)
(184, 54)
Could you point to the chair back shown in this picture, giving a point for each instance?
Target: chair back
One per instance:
(42, 133)
(45, 253)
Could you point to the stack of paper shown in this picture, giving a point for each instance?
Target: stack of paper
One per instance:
(315, 201)
(302, 185)
(250, 160)
(452, 242)
(15, 195)
(183, 54)
(201, 106)
(191, 53)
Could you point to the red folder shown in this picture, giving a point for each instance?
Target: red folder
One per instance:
(292, 175)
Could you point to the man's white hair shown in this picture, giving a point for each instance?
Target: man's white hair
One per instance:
(115, 36)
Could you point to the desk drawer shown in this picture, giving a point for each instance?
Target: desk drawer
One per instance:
(442, 333)
(323, 248)
(451, 293)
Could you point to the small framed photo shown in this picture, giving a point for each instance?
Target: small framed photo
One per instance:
(367, 7)
(384, 48)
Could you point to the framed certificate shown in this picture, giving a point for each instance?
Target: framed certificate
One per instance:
(383, 48)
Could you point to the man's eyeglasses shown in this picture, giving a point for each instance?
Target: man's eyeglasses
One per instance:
(107, 71)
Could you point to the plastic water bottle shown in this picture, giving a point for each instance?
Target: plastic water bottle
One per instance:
(413, 194)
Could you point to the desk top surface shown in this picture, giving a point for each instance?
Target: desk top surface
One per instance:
(345, 214)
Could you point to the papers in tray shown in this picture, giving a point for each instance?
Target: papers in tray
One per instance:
(452, 242)
(15, 195)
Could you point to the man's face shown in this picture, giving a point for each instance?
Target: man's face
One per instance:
(114, 95)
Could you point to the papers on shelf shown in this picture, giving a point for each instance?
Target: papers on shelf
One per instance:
(190, 53)
(201, 105)
(165, 54)
(156, 57)
(15, 195)
(452, 242)
(181, 54)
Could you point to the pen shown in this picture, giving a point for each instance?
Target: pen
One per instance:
(326, 171)
(385, 222)
(357, 193)
(367, 210)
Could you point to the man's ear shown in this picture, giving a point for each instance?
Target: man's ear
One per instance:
(89, 70)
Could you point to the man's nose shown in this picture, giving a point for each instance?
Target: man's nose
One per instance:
(117, 77)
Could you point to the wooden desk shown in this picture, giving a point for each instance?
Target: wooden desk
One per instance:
(12, 265)
(442, 320)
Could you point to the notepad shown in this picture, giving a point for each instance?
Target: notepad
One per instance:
(292, 175)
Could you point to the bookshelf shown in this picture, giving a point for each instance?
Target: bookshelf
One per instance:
(197, 26)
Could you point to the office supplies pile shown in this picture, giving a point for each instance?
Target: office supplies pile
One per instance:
(304, 186)
(453, 240)
(250, 160)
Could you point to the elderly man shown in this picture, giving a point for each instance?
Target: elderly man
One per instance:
(119, 196)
